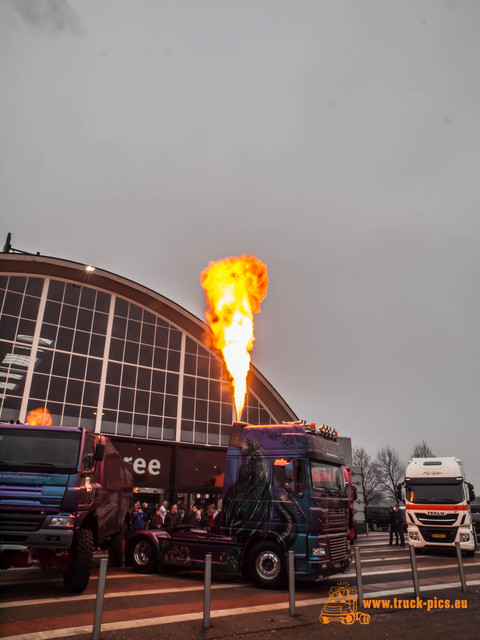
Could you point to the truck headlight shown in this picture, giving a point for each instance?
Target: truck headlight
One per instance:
(319, 551)
(464, 537)
(62, 521)
(413, 535)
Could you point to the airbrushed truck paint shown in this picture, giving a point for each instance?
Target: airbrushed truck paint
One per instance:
(254, 510)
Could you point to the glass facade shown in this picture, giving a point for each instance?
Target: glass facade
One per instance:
(101, 361)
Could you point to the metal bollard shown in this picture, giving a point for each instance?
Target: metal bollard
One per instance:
(97, 620)
(413, 561)
(291, 582)
(207, 591)
(358, 570)
(460, 567)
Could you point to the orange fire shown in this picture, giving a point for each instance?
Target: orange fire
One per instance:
(234, 289)
(39, 418)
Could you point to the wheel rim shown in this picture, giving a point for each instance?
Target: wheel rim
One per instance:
(142, 553)
(268, 565)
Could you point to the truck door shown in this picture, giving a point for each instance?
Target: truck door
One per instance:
(290, 503)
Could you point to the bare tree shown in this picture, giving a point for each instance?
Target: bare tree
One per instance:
(422, 450)
(362, 459)
(390, 471)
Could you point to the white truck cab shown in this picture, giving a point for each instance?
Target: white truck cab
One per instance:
(437, 502)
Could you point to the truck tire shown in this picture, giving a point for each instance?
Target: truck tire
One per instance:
(76, 578)
(116, 549)
(142, 555)
(266, 565)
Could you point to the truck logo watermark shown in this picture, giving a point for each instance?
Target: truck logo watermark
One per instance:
(342, 606)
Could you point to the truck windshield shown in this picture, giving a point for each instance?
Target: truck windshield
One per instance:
(434, 493)
(30, 449)
(327, 478)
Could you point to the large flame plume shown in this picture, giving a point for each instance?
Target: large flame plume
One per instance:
(234, 289)
(39, 417)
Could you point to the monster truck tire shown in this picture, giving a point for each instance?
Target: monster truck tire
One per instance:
(142, 555)
(116, 549)
(266, 565)
(76, 578)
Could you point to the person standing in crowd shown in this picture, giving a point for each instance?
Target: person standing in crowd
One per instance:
(139, 520)
(146, 511)
(189, 517)
(399, 523)
(157, 521)
(164, 509)
(392, 523)
(172, 518)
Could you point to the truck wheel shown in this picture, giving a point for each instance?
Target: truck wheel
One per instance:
(266, 565)
(76, 578)
(142, 556)
(116, 549)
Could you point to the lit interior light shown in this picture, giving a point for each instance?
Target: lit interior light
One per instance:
(89, 268)
(13, 376)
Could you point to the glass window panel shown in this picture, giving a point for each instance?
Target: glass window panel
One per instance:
(56, 391)
(72, 411)
(148, 333)
(200, 432)
(203, 352)
(189, 386)
(44, 361)
(201, 409)
(202, 389)
(224, 438)
(144, 378)
(103, 302)
(77, 367)
(25, 331)
(87, 298)
(8, 327)
(61, 362)
(188, 408)
(87, 417)
(131, 352)
(74, 392)
(190, 346)
(142, 399)
(17, 283)
(126, 399)
(129, 375)
(100, 322)
(190, 364)
(148, 317)
(227, 413)
(160, 358)
(156, 404)
(90, 394)
(145, 356)
(55, 290)
(124, 428)
(49, 332)
(121, 307)
(81, 342)
(119, 328)
(72, 294)
(172, 383)
(173, 361)
(2, 297)
(11, 407)
(202, 367)
(186, 433)
(109, 422)
(139, 430)
(170, 408)
(175, 340)
(12, 304)
(34, 286)
(30, 307)
(135, 312)
(214, 412)
(264, 417)
(158, 381)
(39, 386)
(64, 339)
(213, 435)
(84, 319)
(214, 390)
(155, 427)
(3, 281)
(116, 349)
(94, 370)
(169, 426)
(161, 338)
(114, 373)
(68, 317)
(52, 312)
(97, 345)
(110, 400)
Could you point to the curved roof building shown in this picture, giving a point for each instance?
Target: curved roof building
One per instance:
(109, 354)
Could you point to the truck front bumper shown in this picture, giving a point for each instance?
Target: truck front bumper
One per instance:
(436, 537)
(41, 539)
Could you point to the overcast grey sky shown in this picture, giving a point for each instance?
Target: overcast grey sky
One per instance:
(338, 141)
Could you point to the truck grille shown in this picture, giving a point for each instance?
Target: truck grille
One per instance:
(438, 536)
(338, 547)
(446, 520)
(21, 520)
(335, 520)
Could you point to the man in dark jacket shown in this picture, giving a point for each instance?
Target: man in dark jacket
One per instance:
(172, 518)
(392, 521)
(399, 521)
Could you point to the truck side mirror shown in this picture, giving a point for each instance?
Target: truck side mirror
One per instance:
(99, 452)
(471, 492)
(399, 491)
(355, 493)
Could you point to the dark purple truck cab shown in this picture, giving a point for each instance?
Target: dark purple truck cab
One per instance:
(284, 489)
(63, 492)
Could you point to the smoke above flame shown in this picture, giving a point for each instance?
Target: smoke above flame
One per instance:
(39, 417)
(234, 289)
